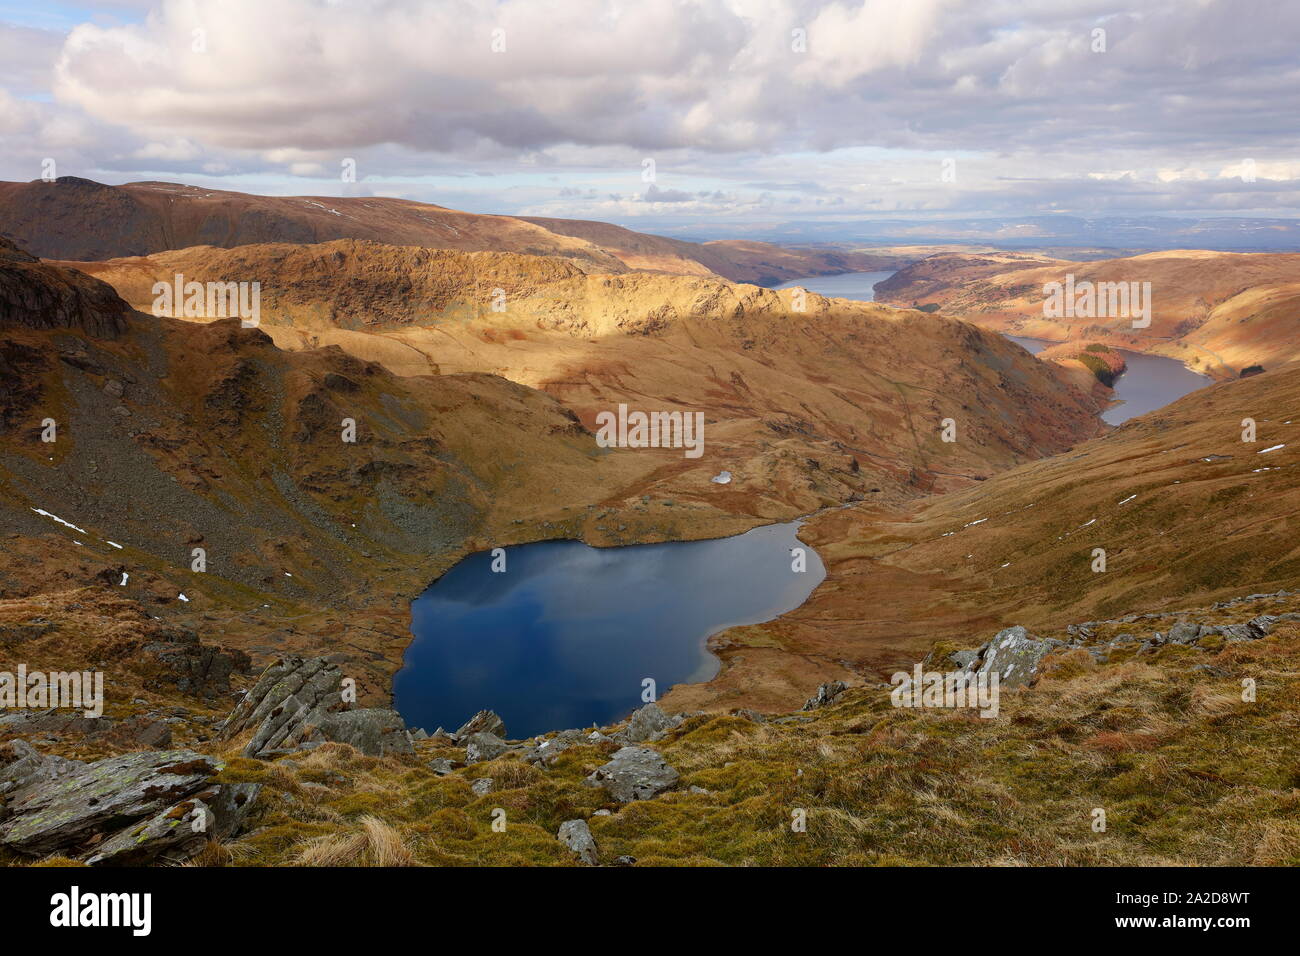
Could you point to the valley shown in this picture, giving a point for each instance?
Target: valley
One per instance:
(329, 489)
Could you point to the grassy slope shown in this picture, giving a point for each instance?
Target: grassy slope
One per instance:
(1018, 547)
(1187, 773)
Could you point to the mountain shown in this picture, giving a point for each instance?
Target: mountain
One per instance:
(73, 218)
(170, 435)
(1216, 312)
(804, 408)
(176, 434)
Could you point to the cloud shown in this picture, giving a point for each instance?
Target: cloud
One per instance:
(749, 107)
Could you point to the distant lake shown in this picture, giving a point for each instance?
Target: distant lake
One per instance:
(565, 635)
(1151, 381)
(849, 285)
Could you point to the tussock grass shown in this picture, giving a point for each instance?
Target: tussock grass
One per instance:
(1186, 771)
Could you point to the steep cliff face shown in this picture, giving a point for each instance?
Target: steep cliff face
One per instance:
(37, 296)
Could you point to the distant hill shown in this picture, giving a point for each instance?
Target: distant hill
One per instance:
(77, 219)
(1218, 312)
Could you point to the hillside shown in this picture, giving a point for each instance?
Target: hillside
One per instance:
(72, 218)
(1216, 312)
(1187, 514)
(170, 435)
(804, 408)
(177, 434)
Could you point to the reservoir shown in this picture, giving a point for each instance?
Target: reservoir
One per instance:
(1151, 381)
(566, 635)
(849, 285)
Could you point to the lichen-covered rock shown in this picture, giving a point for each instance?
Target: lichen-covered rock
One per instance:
(482, 746)
(174, 834)
(634, 773)
(825, 695)
(1014, 656)
(576, 835)
(375, 731)
(66, 812)
(21, 764)
(483, 721)
(647, 723)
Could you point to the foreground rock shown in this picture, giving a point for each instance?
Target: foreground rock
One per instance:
(576, 835)
(298, 702)
(634, 773)
(1014, 656)
(71, 810)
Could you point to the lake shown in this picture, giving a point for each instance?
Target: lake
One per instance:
(849, 285)
(1151, 381)
(565, 636)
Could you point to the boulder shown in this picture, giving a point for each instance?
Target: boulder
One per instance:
(1014, 656)
(484, 720)
(1185, 632)
(826, 695)
(375, 731)
(647, 723)
(482, 746)
(65, 813)
(634, 773)
(175, 834)
(231, 804)
(576, 835)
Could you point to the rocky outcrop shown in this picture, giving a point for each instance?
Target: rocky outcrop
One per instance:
(634, 773)
(38, 296)
(77, 807)
(826, 695)
(193, 668)
(484, 721)
(298, 703)
(576, 835)
(1014, 656)
(647, 723)
(139, 730)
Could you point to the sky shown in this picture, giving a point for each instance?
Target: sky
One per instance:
(673, 114)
